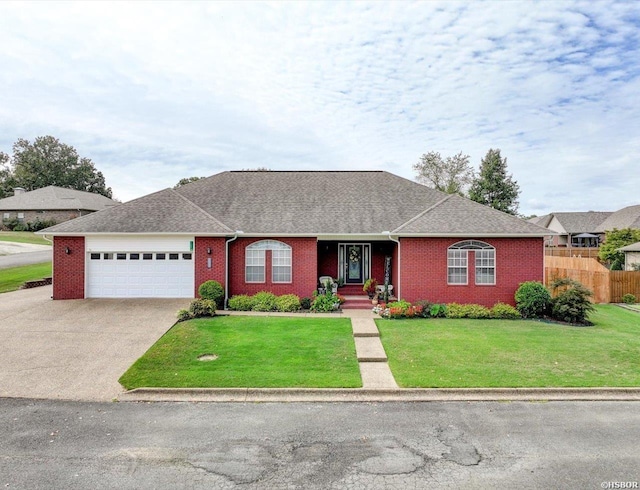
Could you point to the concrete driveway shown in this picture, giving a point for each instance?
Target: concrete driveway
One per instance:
(75, 349)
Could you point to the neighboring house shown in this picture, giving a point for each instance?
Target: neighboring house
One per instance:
(51, 203)
(578, 229)
(631, 256)
(280, 231)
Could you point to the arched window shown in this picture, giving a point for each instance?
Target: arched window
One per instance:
(458, 258)
(255, 255)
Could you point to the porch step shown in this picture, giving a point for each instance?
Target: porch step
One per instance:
(357, 302)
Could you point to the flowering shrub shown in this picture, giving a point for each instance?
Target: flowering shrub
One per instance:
(425, 309)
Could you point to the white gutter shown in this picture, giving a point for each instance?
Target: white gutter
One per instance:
(388, 233)
(226, 267)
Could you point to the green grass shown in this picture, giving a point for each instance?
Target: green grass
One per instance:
(500, 353)
(252, 352)
(11, 279)
(22, 237)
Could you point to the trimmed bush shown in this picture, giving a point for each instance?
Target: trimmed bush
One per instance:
(532, 299)
(455, 310)
(305, 303)
(288, 302)
(629, 299)
(264, 301)
(202, 307)
(241, 302)
(325, 303)
(503, 311)
(212, 290)
(572, 305)
(184, 315)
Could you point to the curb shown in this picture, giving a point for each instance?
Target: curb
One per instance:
(256, 395)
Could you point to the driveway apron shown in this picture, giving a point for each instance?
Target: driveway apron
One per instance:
(75, 349)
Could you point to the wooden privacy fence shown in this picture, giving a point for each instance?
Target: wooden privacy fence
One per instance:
(589, 252)
(607, 286)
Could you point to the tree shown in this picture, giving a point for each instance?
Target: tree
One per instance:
(7, 182)
(186, 180)
(452, 175)
(47, 161)
(493, 186)
(613, 240)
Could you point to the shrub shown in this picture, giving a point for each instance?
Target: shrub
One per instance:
(202, 307)
(38, 225)
(341, 299)
(325, 303)
(629, 299)
(183, 315)
(213, 291)
(241, 302)
(288, 302)
(305, 303)
(425, 307)
(532, 299)
(438, 311)
(455, 310)
(504, 311)
(264, 301)
(571, 304)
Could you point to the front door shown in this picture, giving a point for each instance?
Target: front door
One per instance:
(355, 264)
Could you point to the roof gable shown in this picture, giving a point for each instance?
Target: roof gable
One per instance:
(580, 222)
(455, 215)
(161, 212)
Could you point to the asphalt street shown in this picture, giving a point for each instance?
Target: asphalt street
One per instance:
(57, 444)
(27, 258)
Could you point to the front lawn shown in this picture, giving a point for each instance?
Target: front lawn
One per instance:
(22, 237)
(273, 352)
(517, 353)
(12, 278)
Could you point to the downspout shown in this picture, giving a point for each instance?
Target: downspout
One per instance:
(388, 233)
(226, 267)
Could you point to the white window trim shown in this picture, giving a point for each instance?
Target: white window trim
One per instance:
(466, 268)
(264, 266)
(475, 245)
(263, 246)
(475, 259)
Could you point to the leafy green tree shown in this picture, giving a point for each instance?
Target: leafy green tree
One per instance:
(186, 180)
(47, 161)
(613, 240)
(452, 175)
(493, 186)
(7, 182)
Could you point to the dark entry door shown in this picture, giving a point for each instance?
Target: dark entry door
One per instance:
(354, 264)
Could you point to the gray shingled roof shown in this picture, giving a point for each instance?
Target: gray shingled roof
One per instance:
(628, 217)
(165, 211)
(305, 203)
(634, 247)
(55, 198)
(457, 215)
(581, 222)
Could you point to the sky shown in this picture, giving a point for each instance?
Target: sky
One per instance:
(153, 92)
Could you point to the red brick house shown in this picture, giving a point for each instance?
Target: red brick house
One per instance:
(282, 231)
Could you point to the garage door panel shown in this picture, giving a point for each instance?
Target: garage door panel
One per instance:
(127, 275)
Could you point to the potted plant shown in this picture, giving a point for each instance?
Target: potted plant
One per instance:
(370, 286)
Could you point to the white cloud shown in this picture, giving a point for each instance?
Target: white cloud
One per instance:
(156, 92)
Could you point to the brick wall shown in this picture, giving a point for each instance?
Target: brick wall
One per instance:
(304, 274)
(68, 269)
(203, 272)
(424, 270)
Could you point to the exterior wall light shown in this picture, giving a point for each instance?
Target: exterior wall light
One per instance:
(208, 250)
(67, 250)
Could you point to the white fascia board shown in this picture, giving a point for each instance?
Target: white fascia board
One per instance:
(473, 235)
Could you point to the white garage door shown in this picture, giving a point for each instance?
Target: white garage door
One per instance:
(140, 275)
(139, 266)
